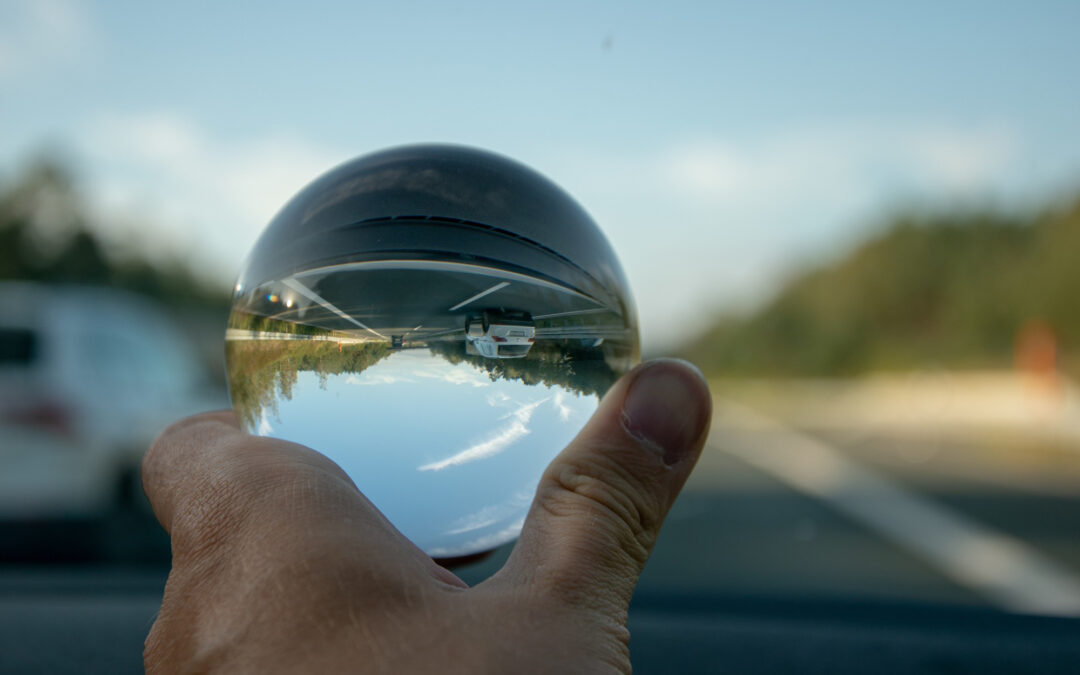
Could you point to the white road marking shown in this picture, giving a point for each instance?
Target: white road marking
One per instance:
(498, 286)
(996, 565)
(312, 295)
(447, 331)
(576, 312)
(444, 266)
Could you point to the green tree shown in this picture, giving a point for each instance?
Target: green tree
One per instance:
(46, 235)
(263, 372)
(934, 289)
(583, 370)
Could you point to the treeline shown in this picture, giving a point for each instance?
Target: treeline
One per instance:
(263, 372)
(952, 290)
(562, 363)
(45, 236)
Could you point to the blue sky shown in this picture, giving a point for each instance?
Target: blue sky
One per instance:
(715, 143)
(448, 455)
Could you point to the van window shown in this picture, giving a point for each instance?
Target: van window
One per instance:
(18, 346)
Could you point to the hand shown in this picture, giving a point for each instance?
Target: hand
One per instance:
(281, 565)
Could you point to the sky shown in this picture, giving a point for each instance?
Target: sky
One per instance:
(474, 455)
(718, 145)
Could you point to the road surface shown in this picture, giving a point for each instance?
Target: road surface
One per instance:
(777, 511)
(773, 510)
(425, 300)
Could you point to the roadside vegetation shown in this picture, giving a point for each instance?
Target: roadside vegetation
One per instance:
(934, 290)
(265, 324)
(563, 363)
(263, 372)
(46, 235)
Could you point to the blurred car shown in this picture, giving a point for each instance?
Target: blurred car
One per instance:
(500, 334)
(88, 377)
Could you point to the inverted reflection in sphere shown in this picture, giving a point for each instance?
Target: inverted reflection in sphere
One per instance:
(440, 322)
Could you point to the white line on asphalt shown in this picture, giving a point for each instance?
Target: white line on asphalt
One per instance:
(312, 295)
(441, 333)
(996, 565)
(596, 310)
(501, 284)
(443, 266)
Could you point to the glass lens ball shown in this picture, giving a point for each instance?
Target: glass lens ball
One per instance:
(440, 321)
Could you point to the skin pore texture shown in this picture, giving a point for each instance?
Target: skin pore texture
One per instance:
(281, 565)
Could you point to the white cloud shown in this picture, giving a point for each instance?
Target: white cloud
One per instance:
(368, 379)
(835, 166)
(482, 543)
(719, 219)
(214, 195)
(964, 162)
(498, 399)
(560, 405)
(502, 439)
(706, 221)
(36, 35)
(491, 515)
(264, 428)
(451, 374)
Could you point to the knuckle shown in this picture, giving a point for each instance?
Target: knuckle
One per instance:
(600, 485)
(251, 488)
(160, 447)
(202, 525)
(169, 645)
(214, 507)
(176, 443)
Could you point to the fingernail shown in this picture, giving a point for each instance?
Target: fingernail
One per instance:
(667, 406)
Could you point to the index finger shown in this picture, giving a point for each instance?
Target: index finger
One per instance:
(207, 459)
(215, 488)
(167, 464)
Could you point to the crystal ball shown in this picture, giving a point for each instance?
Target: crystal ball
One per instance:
(440, 321)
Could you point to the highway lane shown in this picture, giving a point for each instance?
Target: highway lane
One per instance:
(857, 515)
(423, 299)
(772, 510)
(741, 528)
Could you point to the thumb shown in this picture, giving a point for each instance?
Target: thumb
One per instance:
(600, 504)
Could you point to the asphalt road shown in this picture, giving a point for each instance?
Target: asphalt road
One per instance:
(419, 300)
(773, 511)
(776, 512)
(790, 550)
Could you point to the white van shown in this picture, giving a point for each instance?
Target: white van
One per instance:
(500, 334)
(88, 377)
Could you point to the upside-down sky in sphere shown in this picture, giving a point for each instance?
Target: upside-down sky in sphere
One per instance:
(715, 143)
